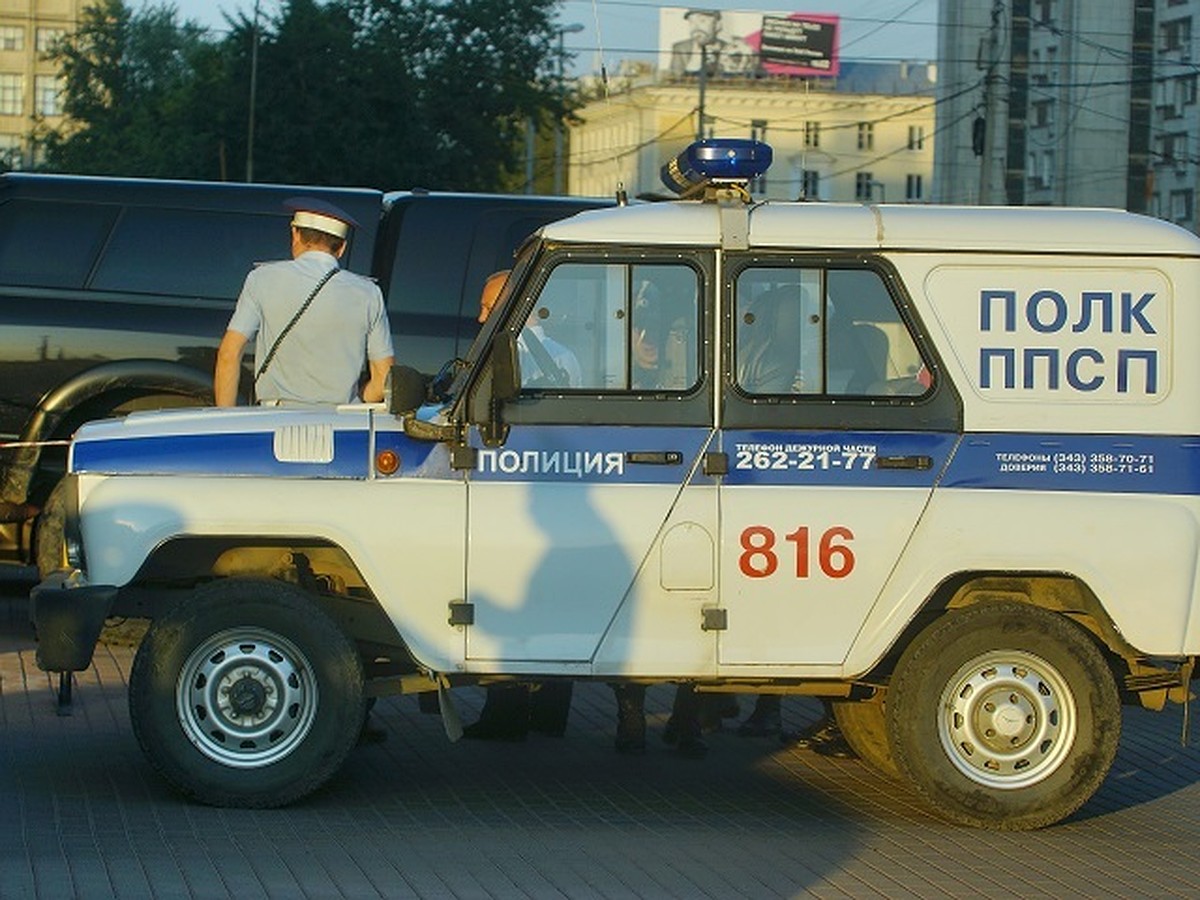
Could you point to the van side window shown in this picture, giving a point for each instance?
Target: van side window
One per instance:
(818, 331)
(613, 327)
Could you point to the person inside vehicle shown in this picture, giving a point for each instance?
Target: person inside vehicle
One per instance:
(315, 326)
(544, 361)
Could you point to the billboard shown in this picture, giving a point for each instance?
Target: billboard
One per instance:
(735, 42)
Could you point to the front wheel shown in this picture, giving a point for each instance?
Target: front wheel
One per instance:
(246, 694)
(1004, 716)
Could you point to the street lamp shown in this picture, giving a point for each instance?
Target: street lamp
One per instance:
(573, 28)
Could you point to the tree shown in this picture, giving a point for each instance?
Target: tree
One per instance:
(380, 93)
(431, 93)
(141, 96)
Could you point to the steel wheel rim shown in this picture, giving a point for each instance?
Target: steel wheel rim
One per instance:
(246, 697)
(1007, 720)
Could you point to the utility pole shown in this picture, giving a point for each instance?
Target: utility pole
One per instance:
(253, 93)
(573, 28)
(991, 50)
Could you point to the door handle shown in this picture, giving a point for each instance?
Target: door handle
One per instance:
(904, 462)
(654, 457)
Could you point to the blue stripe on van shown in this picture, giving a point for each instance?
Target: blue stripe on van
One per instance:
(248, 453)
(1120, 464)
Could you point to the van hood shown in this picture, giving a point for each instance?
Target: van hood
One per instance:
(342, 442)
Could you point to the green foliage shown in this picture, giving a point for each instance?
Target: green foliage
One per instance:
(382, 93)
(139, 95)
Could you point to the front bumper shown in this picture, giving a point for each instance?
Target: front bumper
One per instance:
(68, 615)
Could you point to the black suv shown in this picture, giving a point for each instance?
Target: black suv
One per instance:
(114, 294)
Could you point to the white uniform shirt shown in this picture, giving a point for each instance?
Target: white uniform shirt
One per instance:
(321, 358)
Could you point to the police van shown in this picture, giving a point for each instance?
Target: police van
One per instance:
(936, 465)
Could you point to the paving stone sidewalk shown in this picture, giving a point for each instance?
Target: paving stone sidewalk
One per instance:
(82, 814)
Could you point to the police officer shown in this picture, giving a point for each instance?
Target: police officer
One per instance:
(312, 323)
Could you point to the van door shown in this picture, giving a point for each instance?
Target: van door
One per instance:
(592, 530)
(835, 429)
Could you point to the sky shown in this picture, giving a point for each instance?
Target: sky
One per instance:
(615, 30)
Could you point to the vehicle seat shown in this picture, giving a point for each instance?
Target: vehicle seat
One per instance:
(769, 343)
(865, 353)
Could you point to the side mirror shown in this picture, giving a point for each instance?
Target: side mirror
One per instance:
(506, 368)
(405, 390)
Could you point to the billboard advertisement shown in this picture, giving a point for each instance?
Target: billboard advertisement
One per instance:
(734, 42)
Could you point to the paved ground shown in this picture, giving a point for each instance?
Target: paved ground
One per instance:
(81, 814)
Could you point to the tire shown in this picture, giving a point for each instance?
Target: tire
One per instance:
(266, 646)
(1004, 716)
(49, 544)
(864, 726)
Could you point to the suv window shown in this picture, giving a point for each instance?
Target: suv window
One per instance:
(188, 252)
(51, 244)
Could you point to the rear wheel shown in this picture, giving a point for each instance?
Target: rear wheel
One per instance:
(864, 726)
(246, 694)
(1004, 716)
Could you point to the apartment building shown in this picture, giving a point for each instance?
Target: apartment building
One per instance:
(30, 85)
(1069, 102)
(864, 134)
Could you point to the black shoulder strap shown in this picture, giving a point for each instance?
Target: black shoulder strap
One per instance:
(271, 353)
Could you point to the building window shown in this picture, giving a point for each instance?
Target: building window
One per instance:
(47, 95)
(810, 184)
(1185, 91)
(12, 37)
(913, 187)
(12, 94)
(1177, 34)
(1172, 149)
(47, 37)
(1044, 10)
(1043, 113)
(916, 137)
(866, 136)
(1048, 168)
(863, 182)
(1181, 207)
(812, 134)
(10, 151)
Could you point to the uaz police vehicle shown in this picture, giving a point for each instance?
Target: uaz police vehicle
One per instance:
(938, 465)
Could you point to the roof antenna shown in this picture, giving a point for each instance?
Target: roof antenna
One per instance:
(622, 197)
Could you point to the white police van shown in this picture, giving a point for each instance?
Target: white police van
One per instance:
(938, 465)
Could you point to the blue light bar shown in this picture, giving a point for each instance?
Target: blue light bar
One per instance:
(717, 160)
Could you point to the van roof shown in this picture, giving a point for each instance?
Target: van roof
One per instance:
(896, 227)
